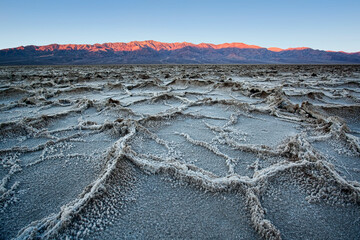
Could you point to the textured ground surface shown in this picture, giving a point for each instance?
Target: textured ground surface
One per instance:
(179, 152)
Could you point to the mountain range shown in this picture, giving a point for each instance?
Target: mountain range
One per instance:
(153, 52)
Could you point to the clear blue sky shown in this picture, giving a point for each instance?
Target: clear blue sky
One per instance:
(324, 24)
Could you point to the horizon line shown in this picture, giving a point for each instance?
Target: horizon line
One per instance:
(273, 49)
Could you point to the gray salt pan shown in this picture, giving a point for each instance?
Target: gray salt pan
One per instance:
(195, 151)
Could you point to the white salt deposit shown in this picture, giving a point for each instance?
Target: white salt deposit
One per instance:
(164, 152)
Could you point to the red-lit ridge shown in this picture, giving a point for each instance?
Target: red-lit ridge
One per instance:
(158, 46)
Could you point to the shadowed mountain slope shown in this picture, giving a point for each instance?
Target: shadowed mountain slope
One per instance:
(142, 52)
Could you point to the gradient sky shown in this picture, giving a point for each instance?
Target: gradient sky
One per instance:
(325, 24)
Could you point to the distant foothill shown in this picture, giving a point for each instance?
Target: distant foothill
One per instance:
(153, 52)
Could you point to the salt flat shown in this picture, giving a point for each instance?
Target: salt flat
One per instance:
(180, 152)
